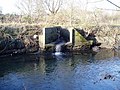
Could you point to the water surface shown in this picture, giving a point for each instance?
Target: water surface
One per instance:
(99, 71)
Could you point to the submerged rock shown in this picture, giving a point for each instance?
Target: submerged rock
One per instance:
(108, 77)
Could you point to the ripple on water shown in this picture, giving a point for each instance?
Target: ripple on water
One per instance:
(70, 72)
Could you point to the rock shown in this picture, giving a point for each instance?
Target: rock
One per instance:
(108, 76)
(95, 48)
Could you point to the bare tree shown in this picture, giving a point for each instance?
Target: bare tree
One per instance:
(26, 8)
(113, 4)
(53, 6)
(39, 12)
(39, 9)
(30, 9)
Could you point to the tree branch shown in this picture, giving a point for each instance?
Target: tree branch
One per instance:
(113, 4)
(108, 9)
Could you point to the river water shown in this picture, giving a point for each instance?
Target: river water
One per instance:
(99, 71)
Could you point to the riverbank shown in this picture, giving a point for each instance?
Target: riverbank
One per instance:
(20, 38)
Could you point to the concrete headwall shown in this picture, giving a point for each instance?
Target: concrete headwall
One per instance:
(51, 34)
(109, 38)
(70, 36)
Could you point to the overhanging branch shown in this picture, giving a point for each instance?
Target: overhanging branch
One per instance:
(113, 4)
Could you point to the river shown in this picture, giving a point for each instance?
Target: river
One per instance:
(100, 71)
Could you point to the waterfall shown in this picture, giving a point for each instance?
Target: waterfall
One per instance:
(58, 48)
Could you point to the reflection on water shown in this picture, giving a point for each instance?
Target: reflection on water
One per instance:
(68, 72)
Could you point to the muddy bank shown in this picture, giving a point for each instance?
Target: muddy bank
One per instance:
(18, 39)
(108, 36)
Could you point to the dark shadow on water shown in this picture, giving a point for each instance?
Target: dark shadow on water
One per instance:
(15, 63)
